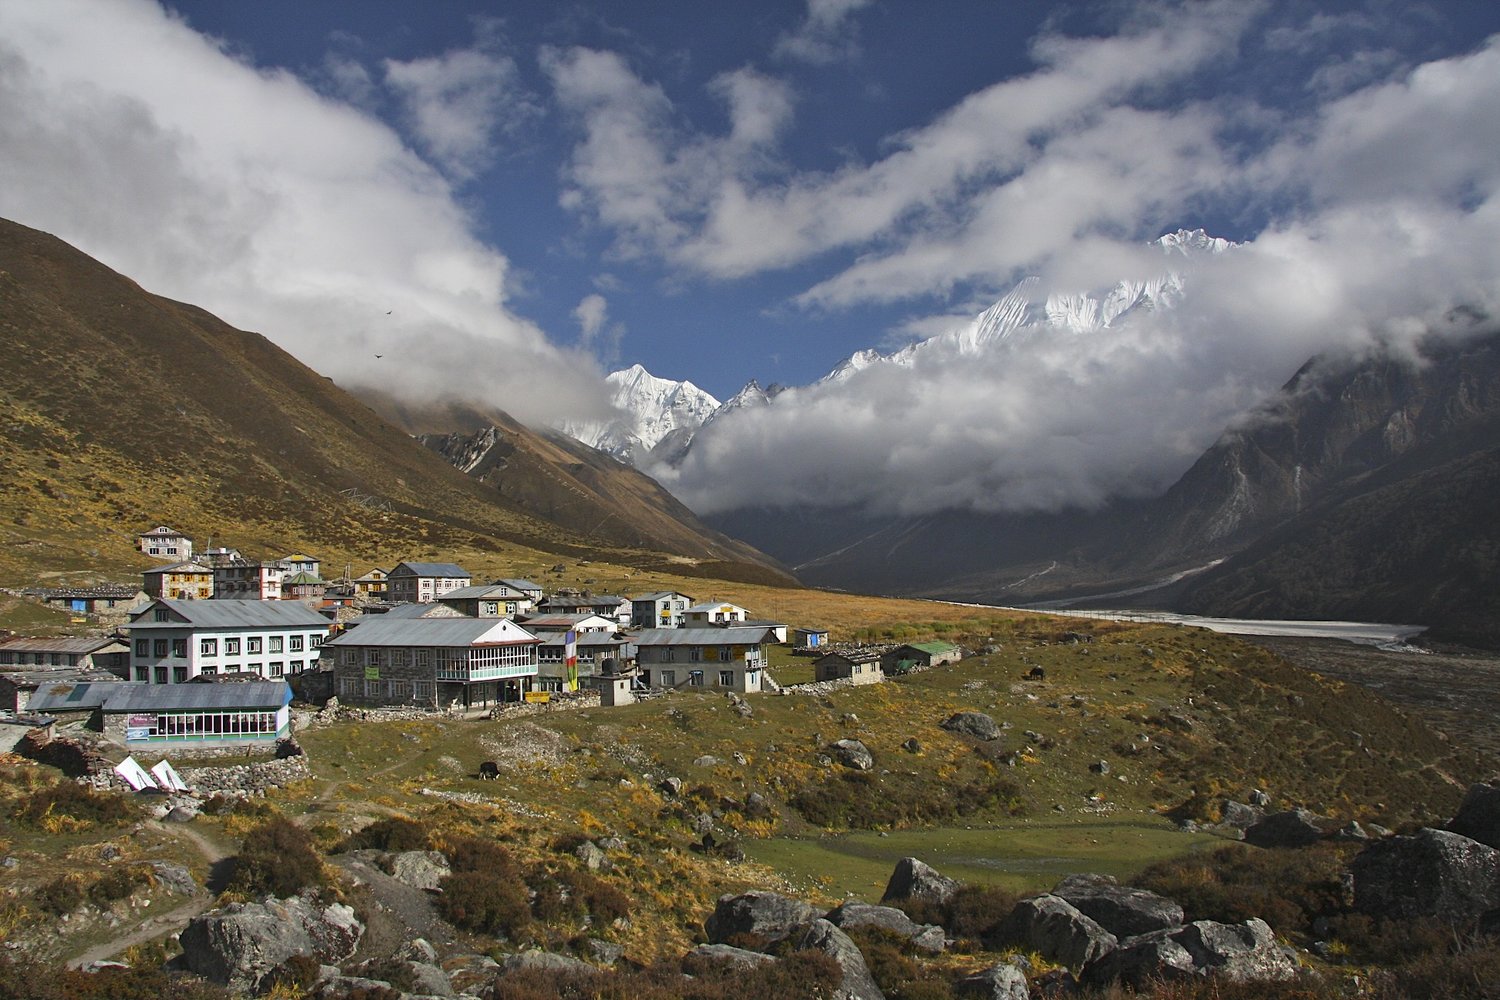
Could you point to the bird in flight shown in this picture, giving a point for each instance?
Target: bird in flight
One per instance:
(380, 355)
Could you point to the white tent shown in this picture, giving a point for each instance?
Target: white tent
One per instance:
(134, 774)
(168, 778)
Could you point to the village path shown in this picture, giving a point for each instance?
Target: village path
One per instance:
(161, 924)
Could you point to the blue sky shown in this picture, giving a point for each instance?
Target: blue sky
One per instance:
(506, 201)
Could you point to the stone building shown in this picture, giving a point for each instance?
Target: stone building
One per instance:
(433, 662)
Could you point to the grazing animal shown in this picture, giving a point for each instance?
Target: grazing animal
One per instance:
(1037, 674)
(489, 771)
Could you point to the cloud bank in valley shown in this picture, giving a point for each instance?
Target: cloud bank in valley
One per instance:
(156, 150)
(1377, 193)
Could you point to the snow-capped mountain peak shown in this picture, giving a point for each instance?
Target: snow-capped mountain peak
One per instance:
(650, 409)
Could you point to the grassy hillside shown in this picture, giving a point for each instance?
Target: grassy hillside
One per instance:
(122, 410)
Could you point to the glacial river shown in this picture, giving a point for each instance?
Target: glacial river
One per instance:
(1365, 633)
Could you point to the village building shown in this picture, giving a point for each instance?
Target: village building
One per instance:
(662, 609)
(371, 586)
(18, 685)
(777, 629)
(303, 586)
(713, 613)
(434, 662)
(725, 659)
(526, 587)
(593, 650)
(197, 716)
(217, 556)
(614, 608)
(489, 600)
(173, 642)
(559, 624)
(243, 580)
(904, 659)
(859, 666)
(165, 543)
(105, 600)
(809, 638)
(100, 652)
(183, 581)
(423, 583)
(301, 562)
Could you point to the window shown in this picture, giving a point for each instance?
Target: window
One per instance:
(296, 666)
(726, 678)
(372, 690)
(231, 647)
(252, 644)
(372, 657)
(143, 673)
(424, 659)
(400, 657)
(294, 644)
(158, 647)
(668, 678)
(179, 675)
(143, 647)
(171, 550)
(179, 648)
(275, 644)
(256, 668)
(162, 615)
(695, 653)
(668, 654)
(316, 640)
(155, 550)
(695, 678)
(208, 671)
(208, 647)
(161, 675)
(277, 668)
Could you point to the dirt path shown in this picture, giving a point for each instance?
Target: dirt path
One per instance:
(160, 924)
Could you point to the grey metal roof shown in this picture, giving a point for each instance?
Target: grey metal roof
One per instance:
(135, 696)
(430, 569)
(700, 637)
(179, 567)
(67, 644)
(521, 584)
(382, 631)
(498, 591)
(37, 677)
(231, 614)
(413, 611)
(660, 595)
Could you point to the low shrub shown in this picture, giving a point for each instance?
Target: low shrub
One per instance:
(1285, 888)
(862, 800)
(277, 858)
(895, 971)
(27, 981)
(395, 833)
(61, 895)
(67, 806)
(484, 902)
(120, 882)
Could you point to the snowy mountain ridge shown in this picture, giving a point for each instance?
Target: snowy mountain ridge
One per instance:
(650, 409)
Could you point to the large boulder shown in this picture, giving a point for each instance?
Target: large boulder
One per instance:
(852, 754)
(1242, 953)
(1478, 818)
(1001, 981)
(857, 983)
(914, 879)
(1433, 873)
(1123, 911)
(764, 914)
(240, 944)
(729, 953)
(419, 869)
(1055, 929)
(925, 937)
(975, 724)
(546, 961)
(1293, 828)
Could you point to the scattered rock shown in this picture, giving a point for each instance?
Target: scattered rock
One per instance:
(239, 944)
(1099, 767)
(1245, 952)
(729, 953)
(914, 879)
(418, 869)
(671, 786)
(912, 745)
(545, 961)
(857, 983)
(1237, 817)
(974, 724)
(1478, 818)
(592, 856)
(1292, 828)
(1123, 911)
(707, 760)
(1057, 930)
(1001, 981)
(852, 754)
(604, 952)
(925, 937)
(767, 914)
(1434, 873)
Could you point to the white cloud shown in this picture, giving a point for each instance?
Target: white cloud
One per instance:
(1385, 212)
(147, 146)
(825, 35)
(459, 103)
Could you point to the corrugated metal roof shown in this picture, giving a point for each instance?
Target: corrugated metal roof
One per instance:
(135, 696)
(72, 696)
(700, 637)
(180, 567)
(69, 644)
(409, 611)
(521, 584)
(936, 648)
(382, 631)
(232, 614)
(431, 569)
(496, 591)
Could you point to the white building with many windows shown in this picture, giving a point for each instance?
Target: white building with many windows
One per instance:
(433, 662)
(172, 642)
(423, 582)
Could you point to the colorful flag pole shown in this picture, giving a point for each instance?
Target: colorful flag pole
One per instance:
(570, 657)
